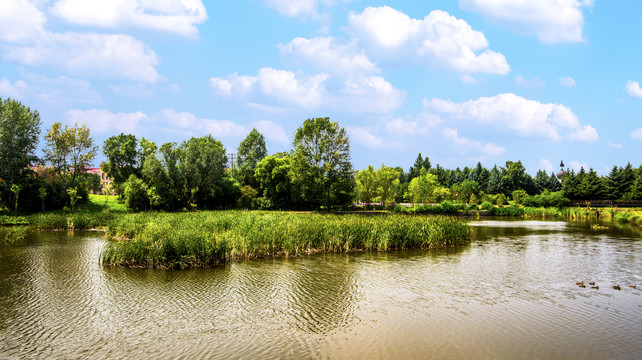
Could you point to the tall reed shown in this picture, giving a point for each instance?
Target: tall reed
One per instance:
(177, 240)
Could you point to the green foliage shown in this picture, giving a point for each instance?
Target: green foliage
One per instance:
(321, 167)
(248, 194)
(136, 194)
(19, 132)
(387, 182)
(206, 239)
(69, 151)
(73, 197)
(421, 188)
(15, 234)
(366, 184)
(547, 199)
(15, 189)
(519, 196)
(274, 176)
(250, 152)
(495, 182)
(123, 157)
(507, 211)
(188, 174)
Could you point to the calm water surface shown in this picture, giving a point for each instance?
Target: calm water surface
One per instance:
(510, 294)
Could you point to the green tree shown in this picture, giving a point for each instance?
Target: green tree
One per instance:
(73, 197)
(421, 188)
(495, 182)
(19, 132)
(387, 180)
(250, 152)
(366, 184)
(187, 174)
(467, 189)
(592, 187)
(15, 189)
(136, 193)
(122, 156)
(321, 167)
(70, 152)
(274, 176)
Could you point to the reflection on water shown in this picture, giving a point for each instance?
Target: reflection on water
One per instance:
(511, 293)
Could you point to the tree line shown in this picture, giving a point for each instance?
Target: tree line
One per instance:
(315, 174)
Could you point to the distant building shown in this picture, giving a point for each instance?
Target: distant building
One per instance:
(105, 180)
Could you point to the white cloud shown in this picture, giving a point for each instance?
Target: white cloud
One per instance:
(585, 134)
(577, 166)
(13, 90)
(553, 21)
(465, 78)
(136, 91)
(287, 87)
(364, 137)
(438, 39)
(546, 165)
(359, 93)
(328, 55)
(465, 146)
(103, 121)
(633, 89)
(567, 81)
(24, 39)
(272, 131)
(178, 16)
(293, 8)
(533, 83)
(615, 145)
(369, 94)
(59, 90)
(526, 117)
(100, 55)
(20, 20)
(637, 134)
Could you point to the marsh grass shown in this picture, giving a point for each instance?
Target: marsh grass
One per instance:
(15, 234)
(179, 240)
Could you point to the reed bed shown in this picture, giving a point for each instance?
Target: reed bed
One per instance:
(181, 240)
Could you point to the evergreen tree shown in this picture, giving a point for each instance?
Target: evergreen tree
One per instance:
(542, 182)
(592, 186)
(554, 183)
(613, 181)
(627, 181)
(570, 185)
(495, 182)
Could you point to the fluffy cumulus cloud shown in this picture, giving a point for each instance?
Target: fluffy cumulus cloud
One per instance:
(466, 146)
(329, 55)
(178, 16)
(526, 117)
(285, 87)
(552, 21)
(92, 54)
(365, 137)
(9, 89)
(633, 89)
(272, 131)
(20, 21)
(103, 121)
(100, 55)
(437, 39)
(637, 134)
(358, 93)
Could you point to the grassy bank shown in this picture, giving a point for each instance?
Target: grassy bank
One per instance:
(179, 240)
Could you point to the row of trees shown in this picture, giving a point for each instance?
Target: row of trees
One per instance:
(68, 151)
(317, 173)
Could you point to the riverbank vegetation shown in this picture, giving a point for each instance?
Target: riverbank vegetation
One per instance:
(173, 240)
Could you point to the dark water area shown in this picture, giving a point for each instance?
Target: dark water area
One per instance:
(510, 294)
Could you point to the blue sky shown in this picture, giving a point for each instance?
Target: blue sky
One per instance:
(459, 81)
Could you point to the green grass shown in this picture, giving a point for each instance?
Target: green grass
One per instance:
(180, 240)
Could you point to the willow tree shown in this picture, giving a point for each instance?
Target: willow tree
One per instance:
(321, 167)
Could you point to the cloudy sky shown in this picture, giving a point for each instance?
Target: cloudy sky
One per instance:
(459, 81)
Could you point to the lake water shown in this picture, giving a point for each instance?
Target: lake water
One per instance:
(510, 294)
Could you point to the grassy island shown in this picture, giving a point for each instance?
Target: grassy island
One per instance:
(182, 240)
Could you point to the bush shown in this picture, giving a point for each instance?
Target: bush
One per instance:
(136, 193)
(487, 205)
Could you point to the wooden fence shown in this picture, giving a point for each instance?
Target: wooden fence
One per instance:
(607, 203)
